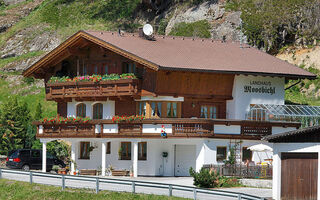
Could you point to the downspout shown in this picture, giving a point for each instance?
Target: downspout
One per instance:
(293, 85)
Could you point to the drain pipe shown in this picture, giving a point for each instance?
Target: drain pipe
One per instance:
(293, 85)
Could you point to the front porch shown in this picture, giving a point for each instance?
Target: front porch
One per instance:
(143, 157)
(149, 157)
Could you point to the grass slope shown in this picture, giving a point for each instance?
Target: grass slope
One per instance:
(15, 190)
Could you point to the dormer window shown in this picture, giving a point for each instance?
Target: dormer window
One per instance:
(81, 110)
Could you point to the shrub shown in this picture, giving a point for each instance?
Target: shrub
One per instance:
(272, 24)
(209, 178)
(205, 178)
(196, 29)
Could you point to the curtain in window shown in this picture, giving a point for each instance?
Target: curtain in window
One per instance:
(142, 108)
(81, 110)
(169, 109)
(204, 112)
(97, 111)
(213, 112)
(159, 109)
(156, 109)
(84, 150)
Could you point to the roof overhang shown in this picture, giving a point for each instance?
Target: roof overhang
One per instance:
(287, 76)
(54, 55)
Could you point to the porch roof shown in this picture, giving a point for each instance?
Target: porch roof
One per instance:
(307, 115)
(309, 134)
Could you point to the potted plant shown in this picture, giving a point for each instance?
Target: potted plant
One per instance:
(131, 171)
(56, 168)
(109, 170)
(75, 167)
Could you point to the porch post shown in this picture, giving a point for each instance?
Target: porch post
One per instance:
(44, 156)
(135, 158)
(103, 164)
(73, 156)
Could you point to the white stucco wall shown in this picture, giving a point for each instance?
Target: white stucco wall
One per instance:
(279, 148)
(155, 165)
(210, 146)
(242, 98)
(108, 108)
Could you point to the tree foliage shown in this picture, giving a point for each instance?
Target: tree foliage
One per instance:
(271, 24)
(15, 121)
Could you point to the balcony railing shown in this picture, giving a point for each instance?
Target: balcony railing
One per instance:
(109, 88)
(152, 128)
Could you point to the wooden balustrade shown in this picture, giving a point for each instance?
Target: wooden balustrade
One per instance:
(178, 128)
(68, 130)
(88, 89)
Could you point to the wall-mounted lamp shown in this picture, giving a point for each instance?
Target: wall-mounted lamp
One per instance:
(193, 105)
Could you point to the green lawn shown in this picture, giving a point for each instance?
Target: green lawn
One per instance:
(20, 190)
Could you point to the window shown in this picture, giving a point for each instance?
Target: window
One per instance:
(106, 69)
(24, 153)
(84, 150)
(125, 151)
(221, 153)
(172, 109)
(108, 147)
(97, 111)
(95, 69)
(246, 154)
(81, 110)
(142, 151)
(209, 112)
(156, 109)
(142, 108)
(128, 68)
(84, 70)
(35, 153)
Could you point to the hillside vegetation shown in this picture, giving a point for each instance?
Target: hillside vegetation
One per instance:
(37, 26)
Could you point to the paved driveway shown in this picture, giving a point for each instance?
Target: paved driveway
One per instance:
(186, 181)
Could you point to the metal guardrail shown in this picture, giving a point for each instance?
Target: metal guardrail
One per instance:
(133, 183)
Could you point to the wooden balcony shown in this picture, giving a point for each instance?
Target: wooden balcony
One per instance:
(151, 128)
(89, 89)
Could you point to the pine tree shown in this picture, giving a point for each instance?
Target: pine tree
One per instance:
(14, 122)
(38, 113)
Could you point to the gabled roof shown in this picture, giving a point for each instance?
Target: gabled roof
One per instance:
(310, 135)
(185, 54)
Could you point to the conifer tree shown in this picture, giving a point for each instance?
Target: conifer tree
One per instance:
(14, 122)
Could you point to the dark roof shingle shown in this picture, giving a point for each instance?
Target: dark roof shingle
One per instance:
(179, 53)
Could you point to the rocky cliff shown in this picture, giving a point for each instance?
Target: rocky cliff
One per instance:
(31, 28)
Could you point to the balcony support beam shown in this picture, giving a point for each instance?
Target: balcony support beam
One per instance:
(135, 158)
(73, 157)
(44, 156)
(103, 159)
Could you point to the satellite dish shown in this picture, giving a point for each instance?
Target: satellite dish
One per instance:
(147, 29)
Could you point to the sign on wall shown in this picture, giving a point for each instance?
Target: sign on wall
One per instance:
(263, 87)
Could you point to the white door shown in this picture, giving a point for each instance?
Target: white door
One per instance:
(185, 157)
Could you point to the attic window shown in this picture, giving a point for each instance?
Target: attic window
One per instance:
(128, 68)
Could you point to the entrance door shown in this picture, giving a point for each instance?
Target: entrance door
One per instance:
(185, 157)
(299, 176)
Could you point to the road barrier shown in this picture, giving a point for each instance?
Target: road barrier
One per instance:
(189, 191)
